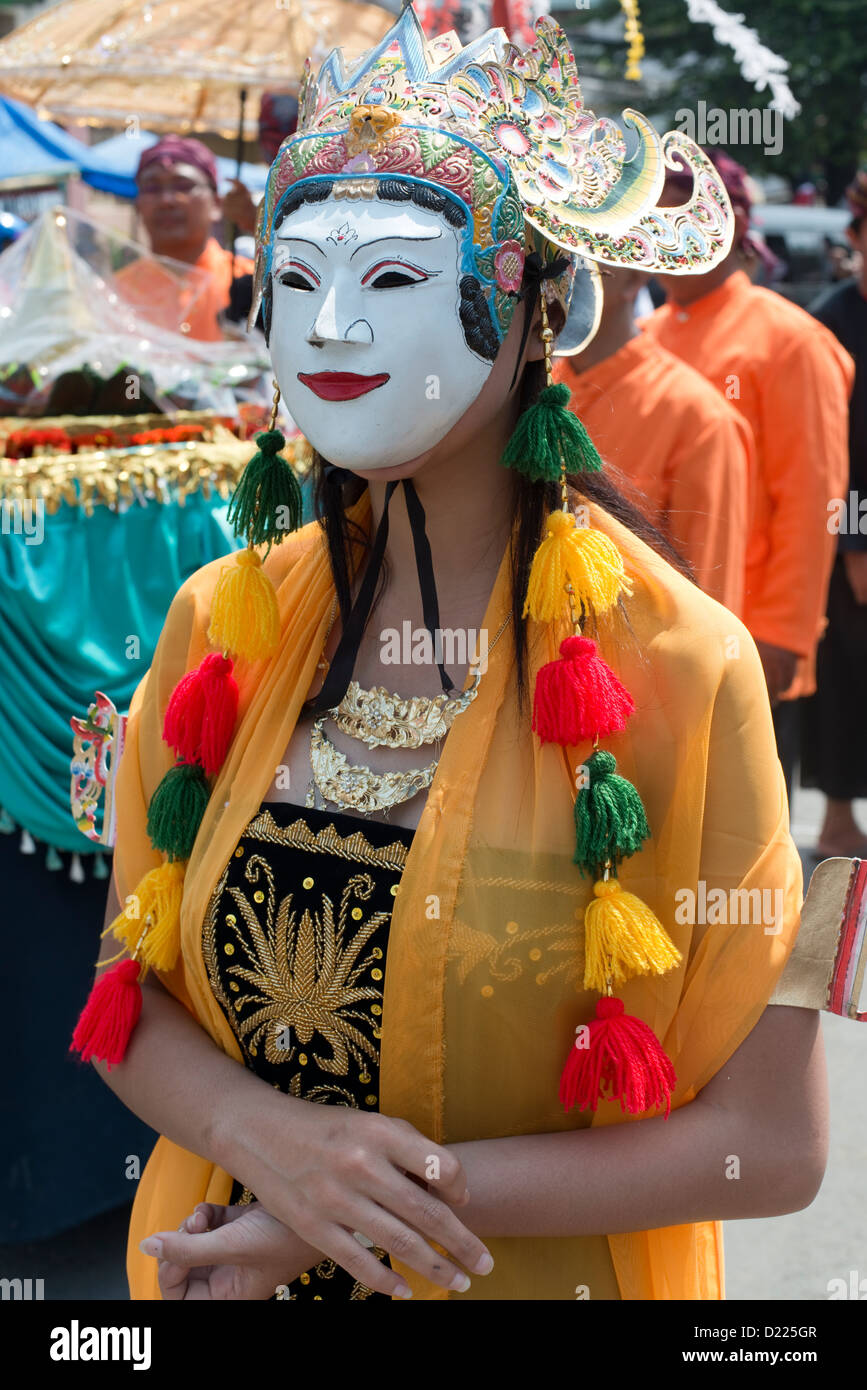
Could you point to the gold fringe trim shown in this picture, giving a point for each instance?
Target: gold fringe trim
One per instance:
(109, 477)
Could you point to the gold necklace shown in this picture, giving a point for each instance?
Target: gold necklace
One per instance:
(354, 787)
(381, 719)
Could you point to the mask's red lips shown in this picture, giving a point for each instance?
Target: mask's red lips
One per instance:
(342, 386)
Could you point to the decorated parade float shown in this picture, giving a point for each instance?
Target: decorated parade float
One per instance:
(121, 440)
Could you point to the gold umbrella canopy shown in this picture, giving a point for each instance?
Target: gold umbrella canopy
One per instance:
(175, 65)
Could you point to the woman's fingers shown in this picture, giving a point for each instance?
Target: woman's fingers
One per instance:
(431, 1163)
(219, 1247)
(212, 1217)
(174, 1280)
(435, 1221)
(352, 1256)
(410, 1247)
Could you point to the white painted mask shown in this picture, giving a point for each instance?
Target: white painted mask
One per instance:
(366, 339)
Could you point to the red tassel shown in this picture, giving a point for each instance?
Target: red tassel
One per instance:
(623, 1060)
(109, 1016)
(578, 696)
(201, 714)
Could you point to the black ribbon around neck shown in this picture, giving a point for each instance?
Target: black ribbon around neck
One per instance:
(339, 674)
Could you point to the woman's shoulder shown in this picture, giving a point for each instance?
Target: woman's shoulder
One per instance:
(193, 600)
(677, 627)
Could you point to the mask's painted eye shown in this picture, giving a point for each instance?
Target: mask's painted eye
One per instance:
(297, 276)
(391, 275)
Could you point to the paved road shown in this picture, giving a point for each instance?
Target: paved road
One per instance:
(794, 1257)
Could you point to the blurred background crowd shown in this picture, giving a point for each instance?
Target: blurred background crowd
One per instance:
(135, 139)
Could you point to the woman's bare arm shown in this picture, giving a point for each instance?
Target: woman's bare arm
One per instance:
(324, 1171)
(753, 1143)
(173, 1077)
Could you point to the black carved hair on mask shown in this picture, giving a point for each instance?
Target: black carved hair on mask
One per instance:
(475, 316)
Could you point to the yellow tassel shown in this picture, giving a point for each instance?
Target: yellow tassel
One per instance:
(581, 557)
(244, 616)
(622, 938)
(150, 925)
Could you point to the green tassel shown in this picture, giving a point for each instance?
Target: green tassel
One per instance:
(610, 821)
(7, 824)
(100, 868)
(176, 810)
(547, 434)
(53, 860)
(267, 501)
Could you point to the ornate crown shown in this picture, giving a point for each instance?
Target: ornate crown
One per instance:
(489, 119)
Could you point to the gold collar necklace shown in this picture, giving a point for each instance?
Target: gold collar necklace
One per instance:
(381, 719)
(376, 717)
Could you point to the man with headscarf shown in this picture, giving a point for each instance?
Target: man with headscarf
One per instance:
(790, 379)
(834, 756)
(177, 198)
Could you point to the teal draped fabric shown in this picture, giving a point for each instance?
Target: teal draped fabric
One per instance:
(82, 612)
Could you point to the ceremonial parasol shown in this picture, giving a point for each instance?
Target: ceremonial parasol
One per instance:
(175, 65)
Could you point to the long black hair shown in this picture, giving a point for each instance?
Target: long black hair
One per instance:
(334, 489)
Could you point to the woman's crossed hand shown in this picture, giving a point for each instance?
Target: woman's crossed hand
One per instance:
(326, 1172)
(227, 1253)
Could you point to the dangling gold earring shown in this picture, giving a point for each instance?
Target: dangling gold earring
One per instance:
(547, 336)
(272, 423)
(549, 440)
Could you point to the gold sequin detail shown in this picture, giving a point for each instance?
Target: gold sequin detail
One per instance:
(356, 914)
(529, 885)
(376, 974)
(364, 1078)
(231, 918)
(376, 953)
(302, 970)
(305, 1278)
(307, 882)
(501, 957)
(487, 991)
(370, 1100)
(375, 1009)
(393, 890)
(535, 954)
(238, 852)
(512, 927)
(258, 896)
(355, 847)
(234, 986)
(302, 1058)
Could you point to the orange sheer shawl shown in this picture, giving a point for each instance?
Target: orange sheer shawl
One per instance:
(483, 983)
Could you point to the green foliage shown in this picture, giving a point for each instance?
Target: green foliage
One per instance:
(823, 41)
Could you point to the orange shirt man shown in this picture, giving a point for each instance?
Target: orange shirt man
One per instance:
(178, 202)
(682, 451)
(791, 380)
